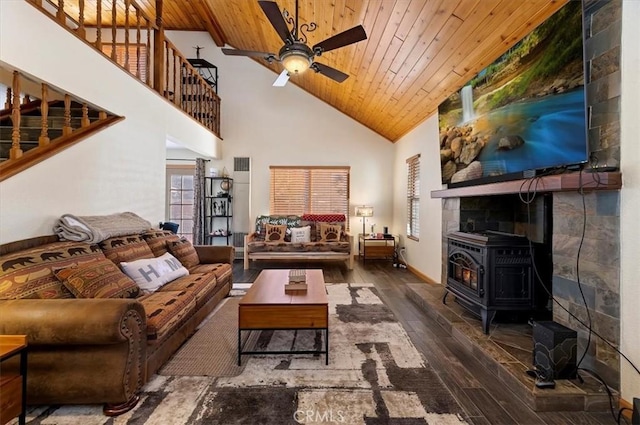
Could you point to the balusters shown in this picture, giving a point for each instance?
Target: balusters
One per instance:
(127, 6)
(84, 122)
(148, 55)
(166, 67)
(81, 30)
(15, 152)
(99, 25)
(114, 25)
(26, 99)
(66, 127)
(102, 115)
(138, 64)
(44, 120)
(60, 15)
(7, 101)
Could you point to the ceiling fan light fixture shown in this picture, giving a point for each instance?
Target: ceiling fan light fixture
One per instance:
(296, 59)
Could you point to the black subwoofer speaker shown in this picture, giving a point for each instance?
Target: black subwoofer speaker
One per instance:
(554, 350)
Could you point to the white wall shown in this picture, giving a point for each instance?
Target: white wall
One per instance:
(630, 200)
(121, 168)
(424, 255)
(287, 126)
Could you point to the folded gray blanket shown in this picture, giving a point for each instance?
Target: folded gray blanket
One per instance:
(94, 229)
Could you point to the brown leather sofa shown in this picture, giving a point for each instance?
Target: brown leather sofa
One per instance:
(101, 350)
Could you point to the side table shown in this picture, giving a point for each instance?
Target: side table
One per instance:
(376, 247)
(13, 386)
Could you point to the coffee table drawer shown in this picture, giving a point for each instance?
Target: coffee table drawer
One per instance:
(283, 317)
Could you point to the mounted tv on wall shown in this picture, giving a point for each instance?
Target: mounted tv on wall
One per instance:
(524, 113)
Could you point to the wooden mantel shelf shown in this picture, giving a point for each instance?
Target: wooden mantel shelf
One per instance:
(557, 183)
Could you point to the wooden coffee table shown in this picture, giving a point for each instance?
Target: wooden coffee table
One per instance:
(267, 307)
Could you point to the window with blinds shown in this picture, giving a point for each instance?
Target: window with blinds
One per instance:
(135, 62)
(314, 190)
(413, 197)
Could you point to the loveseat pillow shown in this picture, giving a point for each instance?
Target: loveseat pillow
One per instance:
(301, 234)
(98, 279)
(276, 233)
(150, 274)
(184, 251)
(330, 232)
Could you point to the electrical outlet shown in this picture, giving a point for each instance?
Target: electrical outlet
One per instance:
(635, 416)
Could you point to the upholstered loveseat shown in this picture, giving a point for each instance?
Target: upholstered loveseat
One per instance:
(299, 238)
(93, 337)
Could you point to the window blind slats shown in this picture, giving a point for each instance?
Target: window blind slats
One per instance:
(413, 197)
(134, 61)
(315, 190)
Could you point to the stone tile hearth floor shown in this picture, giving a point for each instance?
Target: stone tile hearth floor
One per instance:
(507, 353)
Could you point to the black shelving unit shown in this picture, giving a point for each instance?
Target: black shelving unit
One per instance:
(218, 210)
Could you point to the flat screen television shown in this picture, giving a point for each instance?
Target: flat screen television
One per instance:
(524, 113)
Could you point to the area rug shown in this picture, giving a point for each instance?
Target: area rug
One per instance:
(375, 376)
(212, 350)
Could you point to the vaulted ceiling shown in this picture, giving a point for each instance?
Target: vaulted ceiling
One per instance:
(417, 52)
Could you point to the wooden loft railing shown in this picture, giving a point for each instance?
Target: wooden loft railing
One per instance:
(36, 132)
(123, 32)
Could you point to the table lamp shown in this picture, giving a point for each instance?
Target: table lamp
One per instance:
(364, 212)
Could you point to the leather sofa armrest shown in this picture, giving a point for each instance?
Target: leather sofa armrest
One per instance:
(209, 254)
(95, 321)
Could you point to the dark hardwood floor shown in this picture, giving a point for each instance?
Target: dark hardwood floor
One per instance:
(480, 394)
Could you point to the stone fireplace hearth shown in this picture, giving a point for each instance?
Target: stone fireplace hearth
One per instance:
(557, 224)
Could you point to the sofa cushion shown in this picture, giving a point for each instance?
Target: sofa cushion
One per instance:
(165, 310)
(308, 247)
(151, 273)
(158, 240)
(330, 232)
(275, 232)
(126, 248)
(325, 218)
(184, 251)
(98, 279)
(203, 285)
(29, 273)
(222, 271)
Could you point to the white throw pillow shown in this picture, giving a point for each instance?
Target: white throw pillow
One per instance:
(301, 234)
(150, 274)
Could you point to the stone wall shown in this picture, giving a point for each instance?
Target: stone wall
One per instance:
(599, 266)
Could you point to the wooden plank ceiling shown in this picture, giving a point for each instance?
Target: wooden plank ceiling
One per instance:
(417, 53)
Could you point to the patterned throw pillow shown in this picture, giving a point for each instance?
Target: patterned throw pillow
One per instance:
(330, 232)
(151, 274)
(98, 279)
(126, 248)
(301, 234)
(275, 233)
(158, 240)
(30, 273)
(184, 251)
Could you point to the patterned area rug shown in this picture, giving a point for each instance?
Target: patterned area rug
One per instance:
(375, 376)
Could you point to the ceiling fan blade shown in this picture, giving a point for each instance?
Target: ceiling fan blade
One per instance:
(271, 10)
(282, 79)
(236, 52)
(342, 39)
(327, 71)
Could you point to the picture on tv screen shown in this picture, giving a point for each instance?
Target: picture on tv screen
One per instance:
(525, 111)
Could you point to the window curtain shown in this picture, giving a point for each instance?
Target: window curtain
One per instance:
(198, 202)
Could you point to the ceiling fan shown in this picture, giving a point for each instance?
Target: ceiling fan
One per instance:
(295, 55)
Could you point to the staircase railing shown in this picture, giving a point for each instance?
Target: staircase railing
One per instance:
(24, 152)
(133, 40)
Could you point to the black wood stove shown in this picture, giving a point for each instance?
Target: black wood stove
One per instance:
(489, 272)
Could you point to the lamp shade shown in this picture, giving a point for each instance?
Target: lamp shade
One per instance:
(364, 211)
